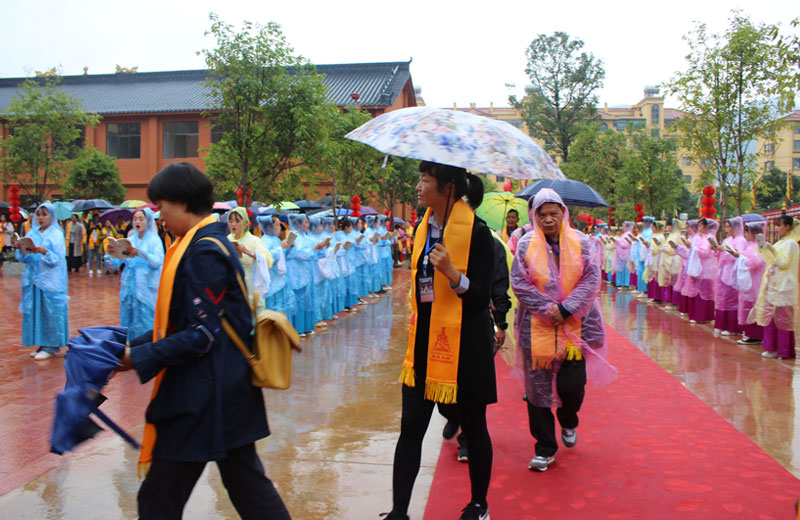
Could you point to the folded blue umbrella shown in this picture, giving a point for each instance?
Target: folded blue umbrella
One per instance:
(90, 360)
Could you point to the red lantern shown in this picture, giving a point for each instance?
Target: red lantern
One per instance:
(13, 200)
(355, 206)
(239, 192)
(507, 186)
(707, 209)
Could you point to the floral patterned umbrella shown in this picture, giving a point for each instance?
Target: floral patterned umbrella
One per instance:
(461, 139)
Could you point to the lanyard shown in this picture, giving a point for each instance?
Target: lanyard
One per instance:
(428, 248)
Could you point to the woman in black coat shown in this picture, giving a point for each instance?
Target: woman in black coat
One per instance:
(204, 407)
(451, 344)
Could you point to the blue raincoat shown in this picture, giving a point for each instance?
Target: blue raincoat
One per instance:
(363, 280)
(647, 235)
(44, 300)
(385, 253)
(299, 267)
(373, 266)
(280, 296)
(138, 288)
(338, 287)
(324, 303)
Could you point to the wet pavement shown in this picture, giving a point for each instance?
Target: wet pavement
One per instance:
(330, 454)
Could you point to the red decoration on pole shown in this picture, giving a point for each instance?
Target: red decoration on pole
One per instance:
(507, 186)
(707, 208)
(413, 219)
(13, 200)
(355, 206)
(639, 212)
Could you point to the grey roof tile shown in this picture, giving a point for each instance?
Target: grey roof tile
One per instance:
(378, 84)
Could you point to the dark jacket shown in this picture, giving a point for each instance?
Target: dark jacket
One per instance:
(500, 299)
(206, 404)
(477, 382)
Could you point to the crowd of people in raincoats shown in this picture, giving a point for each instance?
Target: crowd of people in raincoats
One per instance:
(736, 280)
(310, 271)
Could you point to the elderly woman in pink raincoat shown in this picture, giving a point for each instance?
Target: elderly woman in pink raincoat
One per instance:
(561, 335)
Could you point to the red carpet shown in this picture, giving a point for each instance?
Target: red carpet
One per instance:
(647, 449)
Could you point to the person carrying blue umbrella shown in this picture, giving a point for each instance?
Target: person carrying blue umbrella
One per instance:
(138, 289)
(44, 302)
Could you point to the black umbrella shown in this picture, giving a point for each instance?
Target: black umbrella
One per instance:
(90, 360)
(573, 193)
(90, 204)
(307, 205)
(341, 201)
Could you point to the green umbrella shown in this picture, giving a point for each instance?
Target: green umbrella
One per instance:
(495, 206)
(133, 204)
(286, 205)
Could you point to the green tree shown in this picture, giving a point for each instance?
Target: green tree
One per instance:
(272, 107)
(396, 183)
(600, 159)
(730, 94)
(44, 126)
(562, 96)
(94, 175)
(489, 186)
(771, 190)
(654, 179)
(350, 166)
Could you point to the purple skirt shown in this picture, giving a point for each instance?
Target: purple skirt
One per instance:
(778, 340)
(753, 330)
(653, 290)
(701, 310)
(727, 320)
(634, 279)
(666, 293)
(683, 302)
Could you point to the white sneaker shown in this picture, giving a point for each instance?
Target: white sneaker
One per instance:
(726, 333)
(34, 352)
(771, 354)
(42, 355)
(540, 463)
(91, 273)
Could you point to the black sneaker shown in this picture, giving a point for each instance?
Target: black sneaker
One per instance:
(450, 430)
(393, 516)
(569, 437)
(474, 512)
(463, 456)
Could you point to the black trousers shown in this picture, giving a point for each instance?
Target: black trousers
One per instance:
(408, 454)
(168, 484)
(571, 385)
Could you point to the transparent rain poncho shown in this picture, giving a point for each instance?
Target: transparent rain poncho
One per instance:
(701, 270)
(623, 247)
(727, 296)
(300, 255)
(683, 251)
(44, 299)
(778, 296)
(582, 302)
(256, 270)
(749, 269)
(669, 266)
(279, 297)
(139, 281)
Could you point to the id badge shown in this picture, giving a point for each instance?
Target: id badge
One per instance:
(426, 289)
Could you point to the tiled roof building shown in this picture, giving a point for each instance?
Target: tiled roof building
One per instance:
(150, 119)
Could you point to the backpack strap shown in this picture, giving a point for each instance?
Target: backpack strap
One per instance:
(229, 330)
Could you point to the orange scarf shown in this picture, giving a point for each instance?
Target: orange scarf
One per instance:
(444, 335)
(547, 343)
(172, 259)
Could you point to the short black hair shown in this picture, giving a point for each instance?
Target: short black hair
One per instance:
(183, 183)
(512, 210)
(786, 220)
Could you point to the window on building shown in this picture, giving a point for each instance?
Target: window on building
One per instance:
(603, 126)
(796, 163)
(796, 147)
(705, 163)
(686, 161)
(180, 139)
(216, 133)
(687, 179)
(769, 165)
(655, 115)
(655, 132)
(622, 124)
(500, 178)
(797, 129)
(123, 140)
(769, 148)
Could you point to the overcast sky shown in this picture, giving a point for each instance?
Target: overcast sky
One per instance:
(464, 52)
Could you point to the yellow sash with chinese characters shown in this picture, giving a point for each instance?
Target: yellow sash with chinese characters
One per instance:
(172, 259)
(546, 344)
(444, 335)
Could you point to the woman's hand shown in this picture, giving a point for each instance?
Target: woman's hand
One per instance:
(127, 364)
(440, 259)
(131, 251)
(499, 338)
(39, 249)
(242, 250)
(554, 313)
